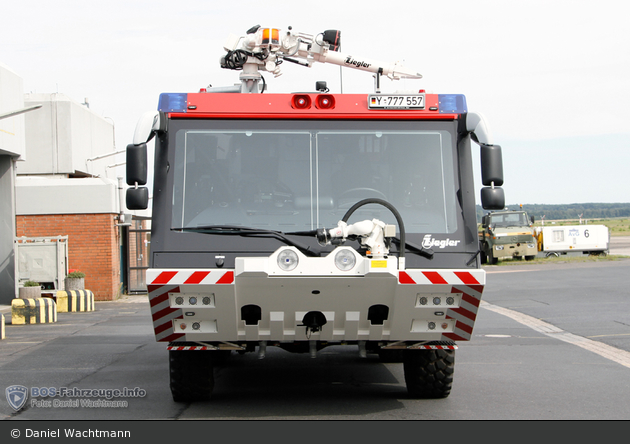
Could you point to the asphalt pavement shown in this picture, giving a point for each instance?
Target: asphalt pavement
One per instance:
(620, 245)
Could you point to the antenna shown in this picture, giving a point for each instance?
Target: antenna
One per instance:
(341, 78)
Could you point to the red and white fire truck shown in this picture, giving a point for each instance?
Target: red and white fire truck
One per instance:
(312, 219)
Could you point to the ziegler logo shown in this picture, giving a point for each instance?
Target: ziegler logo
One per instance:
(428, 242)
(350, 61)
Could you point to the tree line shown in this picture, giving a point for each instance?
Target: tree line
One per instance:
(570, 211)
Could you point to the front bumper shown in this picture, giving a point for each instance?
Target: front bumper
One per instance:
(502, 251)
(374, 301)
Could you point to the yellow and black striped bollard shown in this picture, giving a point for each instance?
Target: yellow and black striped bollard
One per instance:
(75, 300)
(33, 311)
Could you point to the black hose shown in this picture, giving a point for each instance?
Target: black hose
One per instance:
(387, 205)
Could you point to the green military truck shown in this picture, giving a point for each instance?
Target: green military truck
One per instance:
(507, 235)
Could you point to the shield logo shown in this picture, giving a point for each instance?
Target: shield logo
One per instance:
(17, 396)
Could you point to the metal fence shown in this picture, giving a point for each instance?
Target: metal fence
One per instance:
(138, 244)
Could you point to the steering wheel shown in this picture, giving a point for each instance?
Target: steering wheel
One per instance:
(364, 190)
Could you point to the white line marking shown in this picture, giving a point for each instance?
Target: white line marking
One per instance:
(612, 353)
(510, 271)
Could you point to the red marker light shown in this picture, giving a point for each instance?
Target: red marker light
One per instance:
(301, 101)
(325, 101)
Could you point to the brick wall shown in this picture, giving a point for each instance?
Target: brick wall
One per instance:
(93, 246)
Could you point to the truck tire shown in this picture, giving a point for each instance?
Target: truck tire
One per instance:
(429, 373)
(492, 260)
(191, 375)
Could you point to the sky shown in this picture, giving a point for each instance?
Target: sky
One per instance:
(551, 78)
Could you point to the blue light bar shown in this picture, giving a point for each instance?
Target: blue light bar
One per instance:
(452, 103)
(173, 102)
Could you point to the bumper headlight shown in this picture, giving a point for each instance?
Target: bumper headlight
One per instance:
(288, 260)
(345, 260)
(499, 247)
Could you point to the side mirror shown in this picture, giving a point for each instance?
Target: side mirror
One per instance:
(492, 198)
(137, 169)
(137, 198)
(491, 165)
(137, 164)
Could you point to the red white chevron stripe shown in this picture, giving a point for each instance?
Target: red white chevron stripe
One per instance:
(469, 283)
(189, 347)
(444, 277)
(466, 314)
(163, 282)
(420, 347)
(162, 313)
(427, 347)
(187, 277)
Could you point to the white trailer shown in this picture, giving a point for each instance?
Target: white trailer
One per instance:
(588, 239)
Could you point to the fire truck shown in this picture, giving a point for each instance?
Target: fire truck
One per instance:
(312, 219)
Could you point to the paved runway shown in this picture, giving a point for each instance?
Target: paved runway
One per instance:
(620, 245)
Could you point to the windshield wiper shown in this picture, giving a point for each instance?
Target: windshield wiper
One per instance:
(236, 230)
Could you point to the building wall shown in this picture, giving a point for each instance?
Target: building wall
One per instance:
(62, 137)
(12, 146)
(93, 246)
(54, 197)
(7, 230)
(58, 195)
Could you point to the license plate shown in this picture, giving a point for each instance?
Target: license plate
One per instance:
(396, 101)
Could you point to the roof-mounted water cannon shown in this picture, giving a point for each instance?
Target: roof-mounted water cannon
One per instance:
(264, 49)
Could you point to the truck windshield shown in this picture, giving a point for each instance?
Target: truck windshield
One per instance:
(291, 176)
(509, 220)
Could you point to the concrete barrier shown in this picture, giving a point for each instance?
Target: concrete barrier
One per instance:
(74, 300)
(33, 311)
